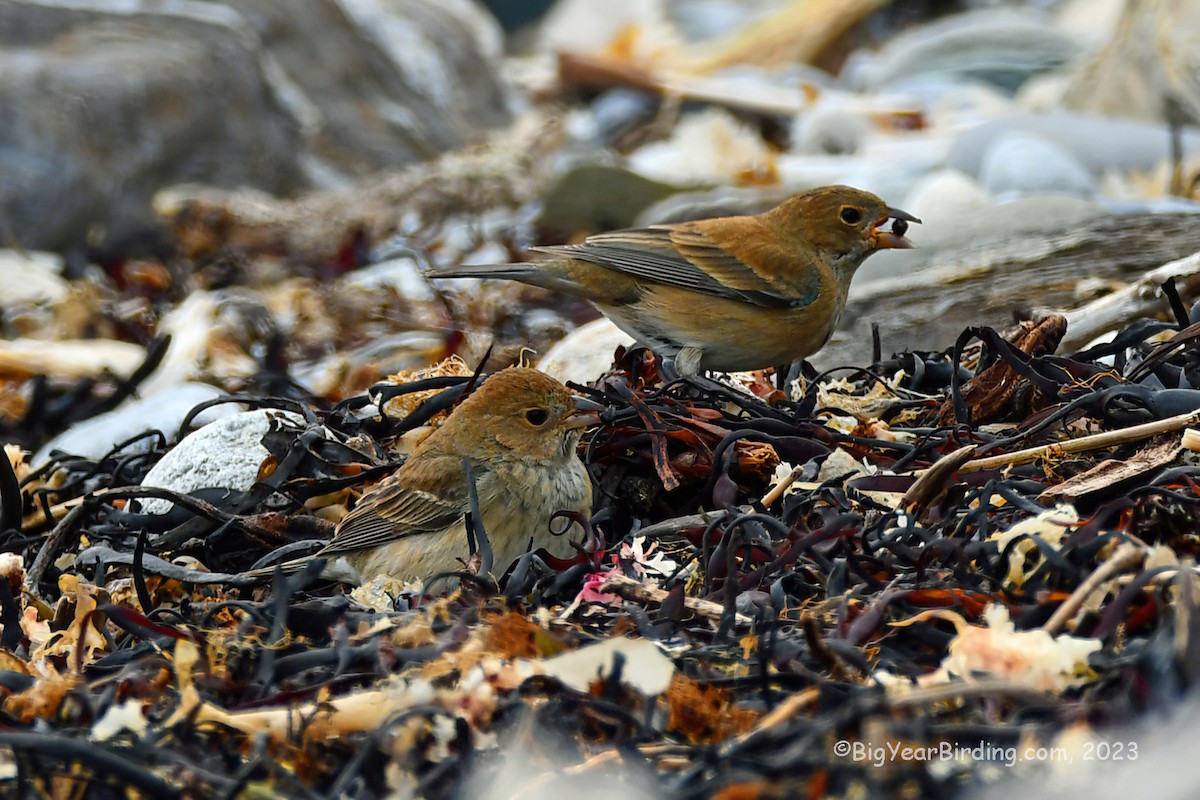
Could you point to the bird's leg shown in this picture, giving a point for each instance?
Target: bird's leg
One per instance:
(686, 367)
(687, 361)
(781, 376)
(670, 372)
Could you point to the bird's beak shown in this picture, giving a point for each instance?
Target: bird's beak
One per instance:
(893, 239)
(587, 413)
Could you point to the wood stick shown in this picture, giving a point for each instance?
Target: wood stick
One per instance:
(1095, 441)
(634, 590)
(778, 489)
(1126, 556)
(1139, 298)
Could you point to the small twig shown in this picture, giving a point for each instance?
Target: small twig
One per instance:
(1166, 576)
(923, 491)
(630, 589)
(778, 489)
(53, 546)
(1126, 556)
(789, 708)
(35, 520)
(607, 757)
(1110, 312)
(1095, 441)
(960, 690)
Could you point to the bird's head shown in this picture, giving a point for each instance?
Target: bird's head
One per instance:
(523, 414)
(841, 224)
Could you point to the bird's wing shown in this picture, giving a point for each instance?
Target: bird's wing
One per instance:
(393, 511)
(679, 256)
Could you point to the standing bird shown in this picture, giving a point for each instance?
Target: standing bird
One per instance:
(730, 293)
(518, 433)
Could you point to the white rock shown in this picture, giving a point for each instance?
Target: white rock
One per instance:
(163, 411)
(585, 353)
(945, 195)
(1101, 144)
(645, 668)
(841, 123)
(831, 128)
(1023, 163)
(225, 454)
(951, 106)
(886, 165)
(1003, 47)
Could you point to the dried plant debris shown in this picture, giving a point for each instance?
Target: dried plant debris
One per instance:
(791, 585)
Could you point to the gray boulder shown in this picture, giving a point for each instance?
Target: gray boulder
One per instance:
(106, 103)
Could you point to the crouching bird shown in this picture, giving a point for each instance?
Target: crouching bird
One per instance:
(518, 434)
(729, 293)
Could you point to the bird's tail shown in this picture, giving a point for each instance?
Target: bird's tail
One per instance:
(330, 569)
(531, 273)
(287, 567)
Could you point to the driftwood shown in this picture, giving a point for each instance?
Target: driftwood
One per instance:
(986, 282)
(1141, 298)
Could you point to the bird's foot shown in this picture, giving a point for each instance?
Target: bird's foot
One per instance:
(683, 367)
(687, 361)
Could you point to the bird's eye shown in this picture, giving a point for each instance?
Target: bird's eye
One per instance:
(537, 416)
(850, 215)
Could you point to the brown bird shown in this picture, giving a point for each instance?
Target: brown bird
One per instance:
(518, 433)
(730, 293)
